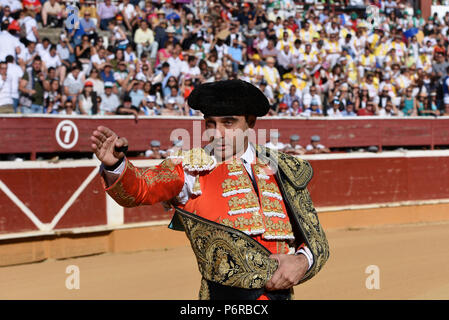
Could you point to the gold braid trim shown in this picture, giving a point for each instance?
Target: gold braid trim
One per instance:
(293, 175)
(226, 255)
(195, 160)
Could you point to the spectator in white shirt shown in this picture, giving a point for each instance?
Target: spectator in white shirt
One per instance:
(14, 74)
(10, 43)
(310, 97)
(6, 105)
(274, 142)
(128, 12)
(334, 111)
(315, 146)
(191, 68)
(53, 61)
(109, 100)
(30, 25)
(74, 83)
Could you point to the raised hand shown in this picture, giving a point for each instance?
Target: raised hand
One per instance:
(104, 143)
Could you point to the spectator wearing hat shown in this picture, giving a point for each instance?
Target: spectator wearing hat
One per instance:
(170, 108)
(274, 142)
(109, 100)
(334, 110)
(107, 74)
(314, 108)
(245, 16)
(315, 146)
(283, 110)
(271, 74)
(149, 106)
(127, 108)
(253, 70)
(293, 147)
(160, 33)
(286, 83)
(10, 42)
(87, 100)
(155, 151)
(177, 145)
(349, 110)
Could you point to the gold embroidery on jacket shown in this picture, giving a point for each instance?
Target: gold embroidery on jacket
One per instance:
(227, 256)
(195, 160)
(235, 167)
(247, 203)
(234, 186)
(294, 174)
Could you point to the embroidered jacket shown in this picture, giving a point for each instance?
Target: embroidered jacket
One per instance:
(274, 211)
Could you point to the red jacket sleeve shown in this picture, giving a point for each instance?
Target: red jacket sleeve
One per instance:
(137, 186)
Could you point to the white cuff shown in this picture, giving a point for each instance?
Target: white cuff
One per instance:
(119, 170)
(306, 251)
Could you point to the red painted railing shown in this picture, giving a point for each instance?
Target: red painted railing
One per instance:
(37, 134)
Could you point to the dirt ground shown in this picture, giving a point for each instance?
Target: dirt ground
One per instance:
(412, 261)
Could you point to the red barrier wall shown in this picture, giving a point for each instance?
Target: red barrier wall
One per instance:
(40, 134)
(48, 199)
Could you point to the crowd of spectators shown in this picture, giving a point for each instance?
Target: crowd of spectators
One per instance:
(144, 58)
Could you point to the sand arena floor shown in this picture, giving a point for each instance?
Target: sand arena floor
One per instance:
(412, 260)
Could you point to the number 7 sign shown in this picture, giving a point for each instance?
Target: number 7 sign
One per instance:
(64, 135)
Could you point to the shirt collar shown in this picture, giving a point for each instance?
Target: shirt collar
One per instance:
(248, 155)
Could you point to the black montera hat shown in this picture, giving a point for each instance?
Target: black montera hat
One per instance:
(229, 98)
